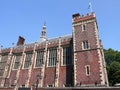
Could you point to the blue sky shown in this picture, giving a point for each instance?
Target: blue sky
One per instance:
(26, 18)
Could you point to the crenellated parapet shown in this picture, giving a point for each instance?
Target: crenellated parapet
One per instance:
(5, 50)
(80, 18)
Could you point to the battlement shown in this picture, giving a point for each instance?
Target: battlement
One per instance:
(78, 18)
(5, 50)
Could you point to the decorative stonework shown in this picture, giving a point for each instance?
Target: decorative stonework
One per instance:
(44, 65)
(101, 68)
(20, 67)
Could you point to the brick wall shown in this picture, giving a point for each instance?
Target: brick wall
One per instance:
(88, 56)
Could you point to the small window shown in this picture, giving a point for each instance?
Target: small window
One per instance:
(83, 27)
(85, 45)
(23, 86)
(50, 85)
(87, 70)
(67, 85)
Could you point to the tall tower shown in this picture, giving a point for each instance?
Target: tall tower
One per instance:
(89, 63)
(43, 36)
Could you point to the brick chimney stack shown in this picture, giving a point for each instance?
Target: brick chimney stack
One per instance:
(21, 41)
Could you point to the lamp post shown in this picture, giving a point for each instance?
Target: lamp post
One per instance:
(37, 81)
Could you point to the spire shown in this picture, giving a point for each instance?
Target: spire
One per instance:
(43, 33)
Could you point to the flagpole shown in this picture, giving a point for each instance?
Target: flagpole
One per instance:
(90, 7)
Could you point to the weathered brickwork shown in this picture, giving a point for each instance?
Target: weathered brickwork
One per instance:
(85, 31)
(82, 65)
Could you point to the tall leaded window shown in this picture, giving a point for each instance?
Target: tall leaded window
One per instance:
(3, 62)
(28, 59)
(52, 57)
(85, 45)
(17, 61)
(67, 55)
(39, 58)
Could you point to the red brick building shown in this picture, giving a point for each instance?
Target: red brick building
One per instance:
(71, 60)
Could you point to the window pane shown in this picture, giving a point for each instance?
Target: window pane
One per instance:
(87, 70)
(3, 64)
(17, 61)
(84, 27)
(52, 56)
(67, 55)
(85, 45)
(28, 60)
(39, 59)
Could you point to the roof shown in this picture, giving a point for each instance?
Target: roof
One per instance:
(63, 38)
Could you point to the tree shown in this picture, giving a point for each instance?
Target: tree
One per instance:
(113, 73)
(112, 58)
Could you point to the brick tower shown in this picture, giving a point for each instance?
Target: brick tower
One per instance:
(89, 63)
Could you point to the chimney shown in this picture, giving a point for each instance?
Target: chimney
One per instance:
(21, 41)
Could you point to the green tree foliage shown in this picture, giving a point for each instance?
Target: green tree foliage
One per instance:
(112, 58)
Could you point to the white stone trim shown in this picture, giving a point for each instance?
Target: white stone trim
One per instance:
(30, 67)
(11, 65)
(20, 67)
(47, 58)
(83, 22)
(104, 68)
(35, 57)
(0, 58)
(74, 56)
(101, 68)
(97, 36)
(62, 56)
(44, 65)
(58, 64)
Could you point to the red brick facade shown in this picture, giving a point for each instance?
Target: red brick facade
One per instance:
(92, 56)
(86, 67)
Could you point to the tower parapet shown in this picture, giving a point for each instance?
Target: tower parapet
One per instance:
(78, 18)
